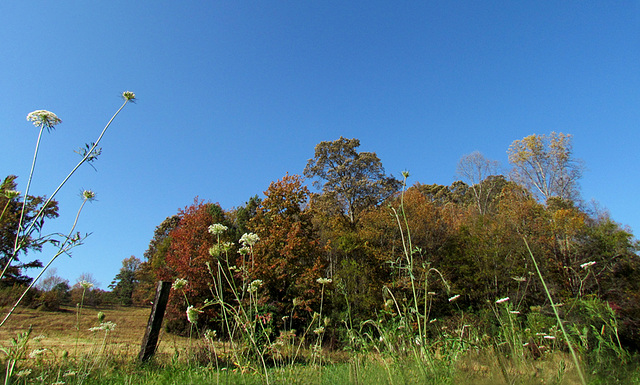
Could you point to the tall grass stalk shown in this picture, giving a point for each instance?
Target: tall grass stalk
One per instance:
(555, 312)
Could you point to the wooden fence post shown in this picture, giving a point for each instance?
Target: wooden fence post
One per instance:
(150, 339)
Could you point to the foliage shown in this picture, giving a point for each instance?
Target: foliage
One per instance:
(11, 205)
(545, 165)
(125, 282)
(353, 180)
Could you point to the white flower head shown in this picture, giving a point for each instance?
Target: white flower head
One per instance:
(85, 284)
(319, 330)
(324, 281)
(249, 239)
(254, 286)
(244, 250)
(455, 297)
(36, 353)
(179, 283)
(587, 265)
(217, 229)
(192, 314)
(502, 300)
(43, 118)
(210, 335)
(88, 195)
(129, 96)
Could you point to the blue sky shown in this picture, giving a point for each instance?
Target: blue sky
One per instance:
(232, 95)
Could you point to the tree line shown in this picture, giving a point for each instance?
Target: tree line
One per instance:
(343, 246)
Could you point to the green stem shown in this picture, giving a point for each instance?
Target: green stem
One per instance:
(555, 311)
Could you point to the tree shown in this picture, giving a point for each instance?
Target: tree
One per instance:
(10, 209)
(124, 284)
(477, 170)
(544, 164)
(154, 256)
(288, 257)
(355, 180)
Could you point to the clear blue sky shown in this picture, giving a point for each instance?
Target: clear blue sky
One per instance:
(234, 94)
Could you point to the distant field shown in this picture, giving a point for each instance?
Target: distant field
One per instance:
(61, 334)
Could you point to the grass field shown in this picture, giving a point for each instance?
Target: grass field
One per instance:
(78, 356)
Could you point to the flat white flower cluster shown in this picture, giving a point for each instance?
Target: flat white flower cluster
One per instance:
(217, 229)
(249, 239)
(43, 118)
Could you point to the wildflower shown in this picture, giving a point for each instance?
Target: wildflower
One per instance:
(254, 286)
(319, 330)
(23, 373)
(58, 383)
(129, 96)
(85, 284)
(514, 312)
(39, 338)
(324, 281)
(297, 302)
(587, 265)
(433, 320)
(69, 374)
(501, 300)
(431, 293)
(10, 194)
(106, 326)
(192, 314)
(88, 195)
(244, 250)
(36, 353)
(519, 279)
(405, 174)
(549, 337)
(455, 297)
(210, 335)
(43, 118)
(215, 251)
(179, 283)
(249, 239)
(101, 316)
(217, 229)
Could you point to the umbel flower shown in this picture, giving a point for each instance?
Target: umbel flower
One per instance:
(249, 239)
(85, 284)
(217, 229)
(324, 281)
(43, 118)
(254, 286)
(192, 314)
(179, 283)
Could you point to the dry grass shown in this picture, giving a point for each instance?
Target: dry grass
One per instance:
(61, 334)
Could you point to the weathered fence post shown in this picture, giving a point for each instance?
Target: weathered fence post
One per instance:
(150, 339)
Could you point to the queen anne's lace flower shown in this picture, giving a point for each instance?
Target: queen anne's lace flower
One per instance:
(454, 297)
(43, 118)
(324, 281)
(217, 229)
(179, 283)
(501, 300)
(85, 284)
(192, 314)
(249, 239)
(254, 286)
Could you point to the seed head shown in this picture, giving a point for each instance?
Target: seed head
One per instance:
(192, 314)
(129, 96)
(88, 195)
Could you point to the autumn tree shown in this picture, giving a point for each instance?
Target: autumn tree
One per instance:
(545, 165)
(288, 257)
(353, 180)
(187, 258)
(11, 203)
